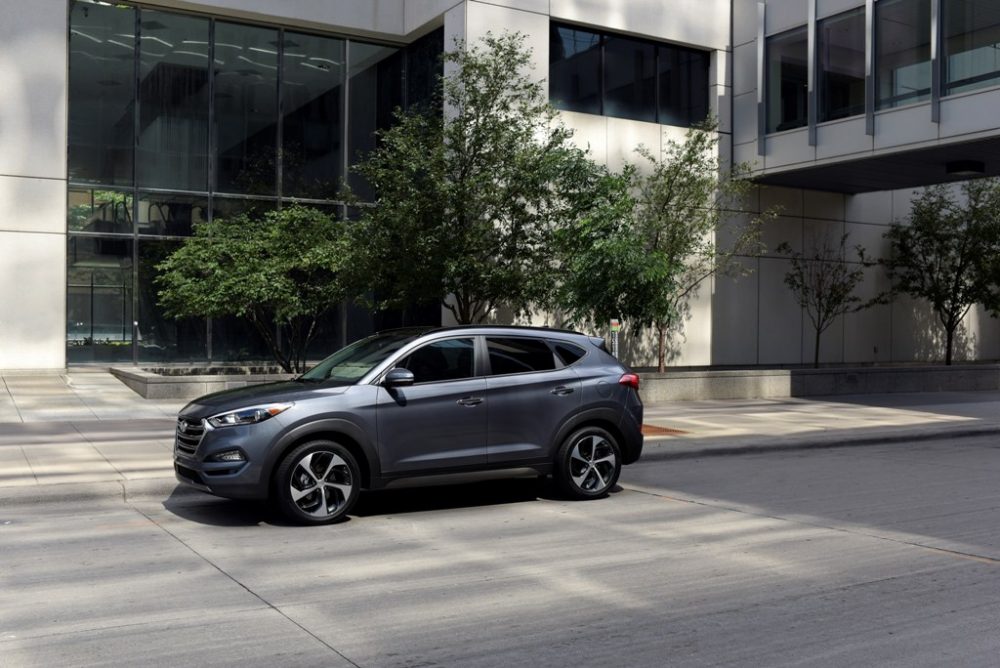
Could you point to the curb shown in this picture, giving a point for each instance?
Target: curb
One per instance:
(112, 491)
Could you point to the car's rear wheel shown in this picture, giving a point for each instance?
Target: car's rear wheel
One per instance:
(588, 463)
(317, 483)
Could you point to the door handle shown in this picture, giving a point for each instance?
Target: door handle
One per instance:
(470, 401)
(562, 390)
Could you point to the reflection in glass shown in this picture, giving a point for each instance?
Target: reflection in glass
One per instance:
(102, 211)
(424, 68)
(160, 338)
(787, 80)
(246, 108)
(171, 215)
(101, 87)
(376, 90)
(173, 101)
(575, 69)
(99, 299)
(683, 79)
(840, 74)
(971, 44)
(629, 79)
(229, 207)
(312, 95)
(902, 52)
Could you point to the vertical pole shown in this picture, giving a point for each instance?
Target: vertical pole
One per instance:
(811, 104)
(870, 68)
(936, 61)
(761, 81)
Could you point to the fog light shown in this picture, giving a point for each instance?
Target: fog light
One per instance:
(230, 456)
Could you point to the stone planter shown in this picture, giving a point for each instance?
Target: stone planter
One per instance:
(150, 385)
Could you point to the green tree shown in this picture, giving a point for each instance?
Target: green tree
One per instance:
(687, 220)
(824, 284)
(280, 270)
(945, 254)
(468, 200)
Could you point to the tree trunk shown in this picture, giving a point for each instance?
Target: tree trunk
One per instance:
(949, 341)
(816, 354)
(661, 354)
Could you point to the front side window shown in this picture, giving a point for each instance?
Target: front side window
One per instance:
(840, 75)
(902, 52)
(787, 80)
(451, 359)
(351, 363)
(971, 44)
(519, 355)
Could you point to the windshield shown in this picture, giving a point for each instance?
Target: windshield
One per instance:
(351, 363)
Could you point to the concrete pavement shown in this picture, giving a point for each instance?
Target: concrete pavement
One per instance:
(85, 432)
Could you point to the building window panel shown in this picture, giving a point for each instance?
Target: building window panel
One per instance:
(376, 91)
(171, 215)
(971, 44)
(99, 211)
(102, 88)
(172, 149)
(840, 72)
(902, 52)
(683, 89)
(161, 338)
(99, 299)
(787, 80)
(575, 69)
(629, 79)
(246, 108)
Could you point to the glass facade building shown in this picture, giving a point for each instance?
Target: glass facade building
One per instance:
(176, 119)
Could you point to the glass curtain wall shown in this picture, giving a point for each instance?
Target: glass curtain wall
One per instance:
(971, 44)
(159, 142)
(902, 52)
(840, 71)
(787, 80)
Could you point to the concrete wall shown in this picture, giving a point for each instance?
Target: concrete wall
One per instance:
(33, 79)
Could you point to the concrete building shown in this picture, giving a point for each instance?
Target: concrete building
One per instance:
(116, 135)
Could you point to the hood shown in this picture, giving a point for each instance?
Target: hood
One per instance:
(266, 393)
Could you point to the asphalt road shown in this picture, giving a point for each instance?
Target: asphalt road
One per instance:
(883, 555)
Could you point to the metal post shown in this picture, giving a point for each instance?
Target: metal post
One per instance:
(761, 80)
(811, 104)
(870, 67)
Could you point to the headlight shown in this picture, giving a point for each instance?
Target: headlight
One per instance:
(248, 415)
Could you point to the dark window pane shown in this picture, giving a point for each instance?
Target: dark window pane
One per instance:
(629, 79)
(902, 51)
(161, 338)
(424, 68)
(101, 91)
(173, 101)
(246, 108)
(787, 80)
(575, 69)
(971, 44)
(568, 353)
(99, 299)
(376, 90)
(105, 211)
(312, 96)
(840, 76)
(171, 215)
(236, 340)
(683, 76)
(451, 359)
(519, 355)
(229, 207)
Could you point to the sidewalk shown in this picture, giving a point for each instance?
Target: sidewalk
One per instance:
(86, 428)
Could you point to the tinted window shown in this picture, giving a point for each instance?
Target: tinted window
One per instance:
(519, 355)
(568, 353)
(575, 69)
(629, 79)
(971, 39)
(442, 360)
(841, 72)
(683, 77)
(787, 80)
(902, 51)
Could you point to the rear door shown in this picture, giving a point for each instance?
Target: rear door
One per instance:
(530, 392)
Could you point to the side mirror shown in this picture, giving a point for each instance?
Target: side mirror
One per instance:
(398, 377)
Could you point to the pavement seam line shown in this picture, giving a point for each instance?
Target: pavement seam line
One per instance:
(27, 461)
(842, 529)
(13, 401)
(98, 451)
(244, 587)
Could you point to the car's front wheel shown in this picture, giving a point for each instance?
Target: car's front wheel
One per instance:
(317, 483)
(588, 463)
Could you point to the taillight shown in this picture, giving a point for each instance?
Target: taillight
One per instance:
(630, 379)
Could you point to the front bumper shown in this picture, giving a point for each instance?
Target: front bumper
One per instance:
(195, 464)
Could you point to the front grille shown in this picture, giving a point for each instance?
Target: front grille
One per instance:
(189, 434)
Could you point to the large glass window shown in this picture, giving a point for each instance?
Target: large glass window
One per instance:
(971, 44)
(902, 52)
(840, 71)
(99, 299)
(171, 215)
(102, 88)
(172, 149)
(160, 338)
(629, 79)
(787, 80)
(99, 211)
(246, 108)
(312, 97)
(575, 69)
(682, 75)
(376, 90)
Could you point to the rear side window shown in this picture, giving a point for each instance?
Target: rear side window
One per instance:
(451, 359)
(567, 352)
(519, 355)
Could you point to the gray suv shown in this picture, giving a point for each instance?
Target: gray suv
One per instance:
(413, 402)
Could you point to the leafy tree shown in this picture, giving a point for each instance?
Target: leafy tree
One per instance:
(944, 255)
(467, 201)
(280, 270)
(824, 283)
(685, 203)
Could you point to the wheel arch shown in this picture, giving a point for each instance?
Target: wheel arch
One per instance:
(340, 431)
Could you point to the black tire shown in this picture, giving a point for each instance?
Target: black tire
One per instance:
(588, 463)
(326, 482)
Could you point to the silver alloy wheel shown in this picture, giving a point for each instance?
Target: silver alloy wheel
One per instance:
(321, 483)
(592, 464)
